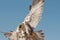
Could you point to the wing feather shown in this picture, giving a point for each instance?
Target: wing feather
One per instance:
(35, 13)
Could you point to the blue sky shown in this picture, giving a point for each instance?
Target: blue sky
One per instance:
(13, 12)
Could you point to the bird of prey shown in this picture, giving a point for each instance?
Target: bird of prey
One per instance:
(25, 31)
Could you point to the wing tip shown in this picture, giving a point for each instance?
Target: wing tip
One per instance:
(35, 2)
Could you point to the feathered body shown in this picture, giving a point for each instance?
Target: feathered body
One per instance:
(25, 31)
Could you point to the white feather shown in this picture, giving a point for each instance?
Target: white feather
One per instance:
(34, 15)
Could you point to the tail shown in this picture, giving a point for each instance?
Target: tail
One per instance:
(40, 34)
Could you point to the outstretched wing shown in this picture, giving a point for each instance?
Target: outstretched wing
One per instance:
(35, 13)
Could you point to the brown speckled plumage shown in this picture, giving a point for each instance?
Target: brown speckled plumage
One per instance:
(25, 31)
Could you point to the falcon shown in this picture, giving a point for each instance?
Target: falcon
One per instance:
(25, 31)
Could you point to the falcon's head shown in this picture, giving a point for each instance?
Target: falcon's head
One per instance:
(20, 33)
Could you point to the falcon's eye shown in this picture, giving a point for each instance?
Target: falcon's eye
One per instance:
(20, 26)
